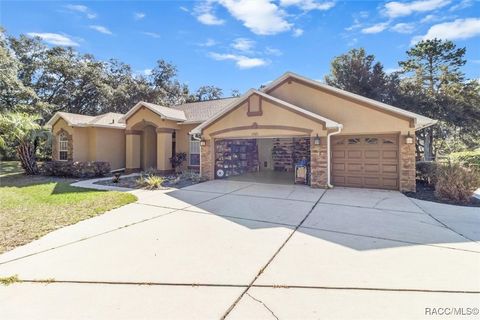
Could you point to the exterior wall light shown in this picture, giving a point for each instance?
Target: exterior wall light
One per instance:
(203, 143)
(409, 139)
(316, 140)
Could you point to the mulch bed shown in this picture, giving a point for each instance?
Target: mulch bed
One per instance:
(131, 182)
(426, 192)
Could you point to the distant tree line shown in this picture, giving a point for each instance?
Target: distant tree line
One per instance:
(39, 79)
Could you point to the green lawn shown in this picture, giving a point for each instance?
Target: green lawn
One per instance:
(9, 168)
(31, 207)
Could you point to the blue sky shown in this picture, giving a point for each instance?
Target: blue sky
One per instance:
(239, 44)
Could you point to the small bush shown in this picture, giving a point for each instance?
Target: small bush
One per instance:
(456, 183)
(150, 181)
(116, 177)
(178, 159)
(466, 158)
(426, 171)
(192, 176)
(75, 169)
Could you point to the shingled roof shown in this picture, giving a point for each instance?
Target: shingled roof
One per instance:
(107, 120)
(197, 112)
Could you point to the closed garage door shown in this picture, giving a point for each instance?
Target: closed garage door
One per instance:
(365, 161)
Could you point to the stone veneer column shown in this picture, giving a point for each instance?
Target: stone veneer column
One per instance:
(318, 163)
(206, 160)
(407, 165)
(164, 149)
(132, 149)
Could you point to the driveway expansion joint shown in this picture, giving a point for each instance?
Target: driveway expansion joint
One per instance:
(442, 223)
(229, 310)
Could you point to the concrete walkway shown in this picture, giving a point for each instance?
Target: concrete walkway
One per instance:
(243, 250)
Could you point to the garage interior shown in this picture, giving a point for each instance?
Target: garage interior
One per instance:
(282, 160)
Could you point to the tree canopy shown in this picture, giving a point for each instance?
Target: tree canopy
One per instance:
(39, 79)
(430, 82)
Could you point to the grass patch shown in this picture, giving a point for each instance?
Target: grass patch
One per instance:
(10, 167)
(35, 206)
(6, 281)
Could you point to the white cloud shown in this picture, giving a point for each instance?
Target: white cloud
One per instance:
(139, 15)
(462, 5)
(204, 13)
(273, 52)
(152, 34)
(54, 38)
(356, 25)
(260, 16)
(308, 5)
(376, 28)
(208, 43)
(396, 9)
(297, 32)
(454, 30)
(82, 9)
(403, 27)
(243, 44)
(210, 19)
(242, 62)
(147, 72)
(184, 9)
(101, 29)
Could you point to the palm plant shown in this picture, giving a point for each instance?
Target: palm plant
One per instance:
(22, 131)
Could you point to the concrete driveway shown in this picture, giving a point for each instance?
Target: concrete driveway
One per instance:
(243, 250)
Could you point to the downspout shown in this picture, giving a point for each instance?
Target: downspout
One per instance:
(329, 153)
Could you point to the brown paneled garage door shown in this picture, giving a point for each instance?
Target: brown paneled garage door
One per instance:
(365, 161)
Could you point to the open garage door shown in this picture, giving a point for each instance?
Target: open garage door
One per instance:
(265, 160)
(366, 161)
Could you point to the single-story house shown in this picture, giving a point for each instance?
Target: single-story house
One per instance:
(344, 138)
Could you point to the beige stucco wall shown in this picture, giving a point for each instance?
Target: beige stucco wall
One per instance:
(145, 117)
(81, 141)
(356, 118)
(96, 144)
(110, 146)
(272, 115)
(136, 121)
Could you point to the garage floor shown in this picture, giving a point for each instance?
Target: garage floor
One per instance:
(245, 250)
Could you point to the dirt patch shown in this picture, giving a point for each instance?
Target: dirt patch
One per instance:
(427, 193)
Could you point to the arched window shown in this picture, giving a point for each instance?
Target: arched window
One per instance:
(63, 147)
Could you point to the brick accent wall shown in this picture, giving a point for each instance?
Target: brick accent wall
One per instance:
(206, 160)
(318, 164)
(55, 139)
(407, 165)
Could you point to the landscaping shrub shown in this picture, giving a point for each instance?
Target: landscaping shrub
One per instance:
(178, 159)
(455, 182)
(467, 158)
(76, 169)
(426, 171)
(150, 181)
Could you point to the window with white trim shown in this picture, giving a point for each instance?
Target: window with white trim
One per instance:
(194, 158)
(63, 147)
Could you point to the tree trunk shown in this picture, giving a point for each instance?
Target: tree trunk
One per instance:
(26, 153)
(428, 145)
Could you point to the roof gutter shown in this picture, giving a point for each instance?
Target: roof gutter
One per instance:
(329, 154)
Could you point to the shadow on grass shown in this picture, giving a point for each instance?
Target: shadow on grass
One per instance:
(64, 188)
